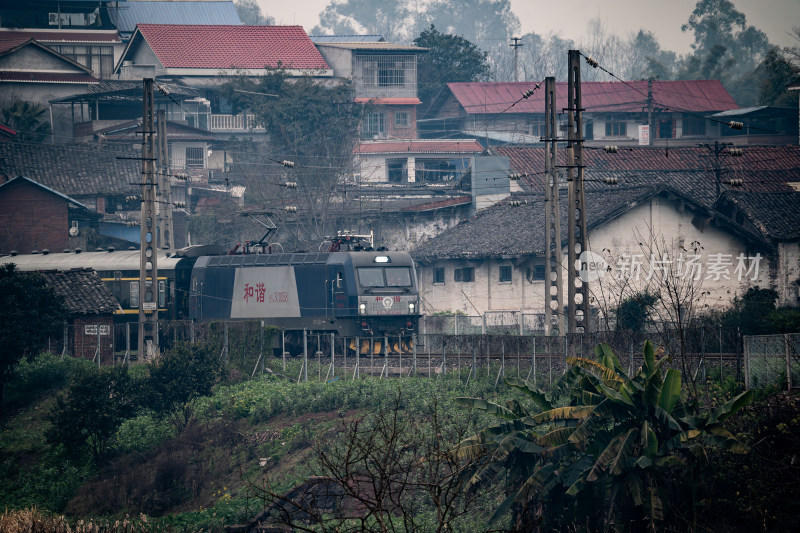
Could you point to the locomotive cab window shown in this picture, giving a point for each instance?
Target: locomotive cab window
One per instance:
(371, 277)
(385, 277)
(398, 277)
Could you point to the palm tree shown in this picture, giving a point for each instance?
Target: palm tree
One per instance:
(28, 119)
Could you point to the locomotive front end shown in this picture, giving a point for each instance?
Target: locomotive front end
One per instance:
(388, 299)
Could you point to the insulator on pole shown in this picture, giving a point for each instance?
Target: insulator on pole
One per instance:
(181, 176)
(290, 209)
(527, 94)
(736, 182)
(592, 62)
(611, 180)
(179, 204)
(735, 152)
(734, 125)
(611, 149)
(514, 176)
(290, 184)
(288, 164)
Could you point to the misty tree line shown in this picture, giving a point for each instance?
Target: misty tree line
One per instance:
(724, 46)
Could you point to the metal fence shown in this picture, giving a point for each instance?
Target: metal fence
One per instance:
(771, 360)
(493, 345)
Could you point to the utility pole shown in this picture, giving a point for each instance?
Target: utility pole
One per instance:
(164, 207)
(516, 46)
(553, 285)
(578, 307)
(650, 112)
(148, 255)
(721, 149)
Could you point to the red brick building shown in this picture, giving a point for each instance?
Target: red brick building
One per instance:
(91, 308)
(36, 217)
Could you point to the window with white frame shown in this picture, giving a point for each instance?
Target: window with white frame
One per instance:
(401, 119)
(373, 125)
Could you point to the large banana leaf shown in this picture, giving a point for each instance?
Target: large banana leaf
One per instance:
(485, 405)
(560, 413)
(649, 440)
(601, 464)
(538, 397)
(556, 437)
(607, 374)
(670, 390)
(731, 407)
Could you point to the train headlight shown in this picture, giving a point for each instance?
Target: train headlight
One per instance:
(362, 308)
(411, 307)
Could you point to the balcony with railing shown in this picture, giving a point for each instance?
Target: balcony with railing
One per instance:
(385, 76)
(233, 124)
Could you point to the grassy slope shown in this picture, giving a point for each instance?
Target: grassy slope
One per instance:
(244, 435)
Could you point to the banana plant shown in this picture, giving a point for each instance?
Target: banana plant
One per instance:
(619, 438)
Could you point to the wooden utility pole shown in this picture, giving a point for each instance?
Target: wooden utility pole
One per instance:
(164, 207)
(578, 307)
(553, 285)
(148, 262)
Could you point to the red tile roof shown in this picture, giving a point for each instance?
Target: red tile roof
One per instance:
(222, 47)
(597, 96)
(419, 147)
(45, 36)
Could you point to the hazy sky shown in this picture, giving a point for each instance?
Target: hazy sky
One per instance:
(569, 17)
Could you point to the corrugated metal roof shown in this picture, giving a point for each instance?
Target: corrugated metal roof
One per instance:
(419, 146)
(376, 46)
(596, 96)
(324, 39)
(224, 47)
(62, 36)
(208, 13)
(45, 77)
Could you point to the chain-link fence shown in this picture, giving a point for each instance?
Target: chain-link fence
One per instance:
(491, 343)
(772, 360)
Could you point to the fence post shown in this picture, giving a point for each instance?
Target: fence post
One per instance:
(127, 345)
(414, 353)
(305, 355)
(483, 324)
(746, 350)
(788, 362)
(356, 372)
(66, 340)
(456, 326)
(333, 356)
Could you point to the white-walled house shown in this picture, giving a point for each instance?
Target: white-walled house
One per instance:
(731, 238)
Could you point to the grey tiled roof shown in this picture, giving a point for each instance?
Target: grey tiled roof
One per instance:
(74, 169)
(504, 230)
(776, 214)
(83, 291)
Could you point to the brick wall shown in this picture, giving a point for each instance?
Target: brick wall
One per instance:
(84, 338)
(394, 128)
(32, 219)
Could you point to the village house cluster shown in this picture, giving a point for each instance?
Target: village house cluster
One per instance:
(457, 181)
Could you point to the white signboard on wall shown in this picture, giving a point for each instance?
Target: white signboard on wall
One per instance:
(644, 135)
(265, 292)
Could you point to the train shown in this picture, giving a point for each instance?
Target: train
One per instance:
(349, 293)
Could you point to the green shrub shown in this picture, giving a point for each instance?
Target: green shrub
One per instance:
(142, 433)
(45, 372)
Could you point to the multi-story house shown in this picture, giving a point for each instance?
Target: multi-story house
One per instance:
(673, 112)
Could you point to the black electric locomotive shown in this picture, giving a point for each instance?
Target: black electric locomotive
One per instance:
(353, 293)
